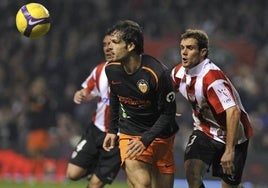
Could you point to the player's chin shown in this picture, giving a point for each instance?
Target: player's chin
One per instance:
(185, 64)
(109, 58)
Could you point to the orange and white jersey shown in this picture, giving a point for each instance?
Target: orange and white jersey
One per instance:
(210, 93)
(97, 86)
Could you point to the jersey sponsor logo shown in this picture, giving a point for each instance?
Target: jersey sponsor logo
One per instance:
(168, 165)
(105, 100)
(223, 94)
(223, 91)
(116, 82)
(227, 101)
(33, 22)
(134, 102)
(143, 86)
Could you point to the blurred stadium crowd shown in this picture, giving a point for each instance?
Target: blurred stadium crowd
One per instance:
(38, 77)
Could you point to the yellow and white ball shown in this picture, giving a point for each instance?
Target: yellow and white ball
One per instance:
(33, 20)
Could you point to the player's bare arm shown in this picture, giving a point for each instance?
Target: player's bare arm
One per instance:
(232, 116)
(81, 96)
(109, 141)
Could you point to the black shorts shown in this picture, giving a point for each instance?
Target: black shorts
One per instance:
(90, 155)
(200, 146)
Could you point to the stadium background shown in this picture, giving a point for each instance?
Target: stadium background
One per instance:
(62, 59)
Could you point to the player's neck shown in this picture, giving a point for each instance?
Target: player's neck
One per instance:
(133, 64)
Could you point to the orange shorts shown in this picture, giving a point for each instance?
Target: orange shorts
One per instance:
(38, 140)
(160, 153)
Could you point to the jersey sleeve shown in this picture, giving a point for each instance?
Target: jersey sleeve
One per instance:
(220, 96)
(90, 83)
(165, 124)
(114, 113)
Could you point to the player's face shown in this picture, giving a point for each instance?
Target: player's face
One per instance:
(118, 46)
(106, 48)
(190, 53)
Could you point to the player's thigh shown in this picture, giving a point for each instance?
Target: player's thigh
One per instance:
(162, 180)
(85, 154)
(194, 168)
(138, 172)
(199, 154)
(146, 156)
(108, 165)
(163, 153)
(200, 147)
(75, 172)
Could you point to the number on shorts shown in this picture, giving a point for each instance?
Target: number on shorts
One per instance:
(80, 146)
(192, 139)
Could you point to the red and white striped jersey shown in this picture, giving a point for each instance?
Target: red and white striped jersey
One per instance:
(210, 93)
(97, 86)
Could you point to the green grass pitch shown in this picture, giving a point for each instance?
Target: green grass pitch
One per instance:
(69, 184)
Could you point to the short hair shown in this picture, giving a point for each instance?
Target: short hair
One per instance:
(201, 37)
(131, 32)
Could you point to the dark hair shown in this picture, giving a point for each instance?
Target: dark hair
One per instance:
(131, 32)
(200, 36)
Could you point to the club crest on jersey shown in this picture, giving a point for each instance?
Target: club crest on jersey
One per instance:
(143, 86)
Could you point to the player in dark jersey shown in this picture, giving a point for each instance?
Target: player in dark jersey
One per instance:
(142, 107)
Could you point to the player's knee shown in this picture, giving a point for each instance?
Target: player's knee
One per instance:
(191, 175)
(95, 182)
(72, 175)
(194, 179)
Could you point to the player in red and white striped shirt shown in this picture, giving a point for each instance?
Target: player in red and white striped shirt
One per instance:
(89, 157)
(221, 125)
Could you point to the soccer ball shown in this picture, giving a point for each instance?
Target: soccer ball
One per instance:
(33, 20)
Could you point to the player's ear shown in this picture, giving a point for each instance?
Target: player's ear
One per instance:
(204, 51)
(131, 46)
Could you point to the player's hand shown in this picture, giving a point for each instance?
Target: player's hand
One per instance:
(227, 162)
(80, 96)
(135, 148)
(109, 141)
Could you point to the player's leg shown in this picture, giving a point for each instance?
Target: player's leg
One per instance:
(129, 183)
(75, 172)
(199, 154)
(234, 180)
(138, 170)
(77, 166)
(108, 163)
(162, 180)
(95, 182)
(164, 162)
(194, 170)
(138, 173)
(225, 185)
(154, 179)
(83, 158)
